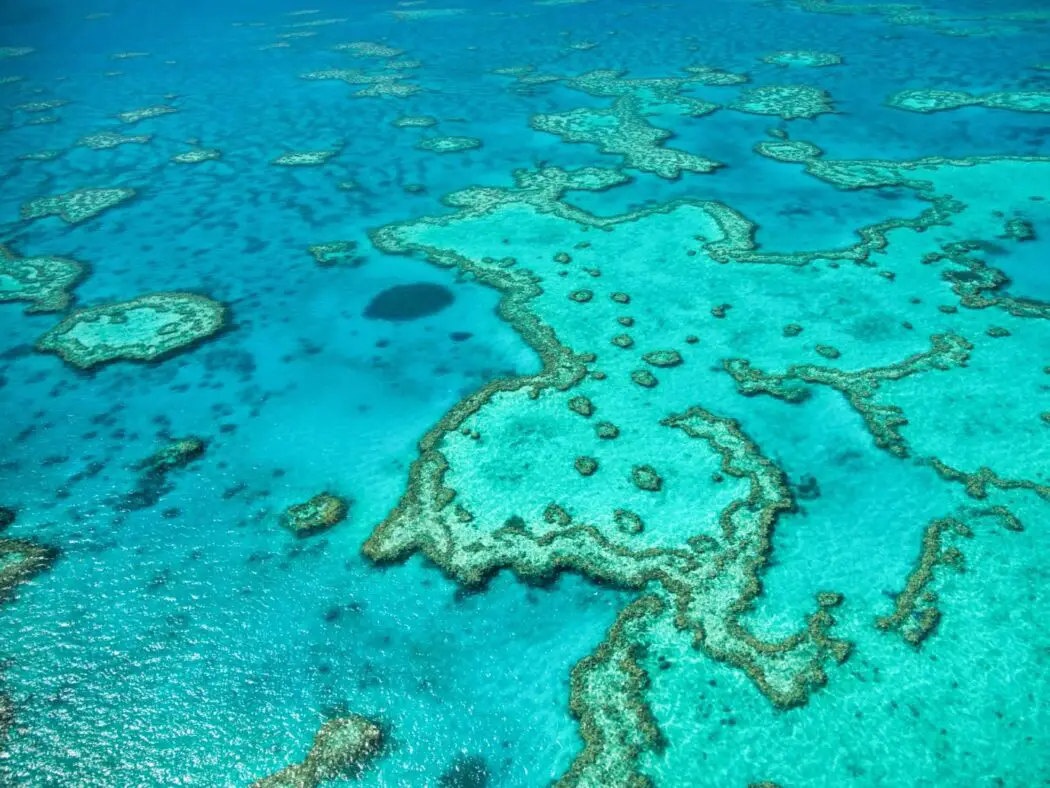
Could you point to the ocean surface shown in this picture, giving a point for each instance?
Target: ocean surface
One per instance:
(678, 374)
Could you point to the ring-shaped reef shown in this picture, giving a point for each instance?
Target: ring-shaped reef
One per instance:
(148, 328)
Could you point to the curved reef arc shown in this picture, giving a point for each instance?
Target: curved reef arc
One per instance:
(708, 582)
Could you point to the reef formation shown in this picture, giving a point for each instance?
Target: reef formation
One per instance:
(341, 749)
(652, 325)
(153, 472)
(20, 561)
(601, 502)
(929, 100)
(147, 328)
(76, 206)
(45, 282)
(318, 514)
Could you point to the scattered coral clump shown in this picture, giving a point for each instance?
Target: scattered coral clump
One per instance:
(318, 514)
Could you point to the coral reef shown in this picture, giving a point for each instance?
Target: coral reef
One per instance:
(425, 522)
(447, 512)
(419, 14)
(20, 561)
(803, 57)
(335, 253)
(790, 102)
(147, 328)
(376, 84)
(45, 282)
(43, 155)
(104, 140)
(145, 113)
(368, 49)
(153, 481)
(197, 156)
(663, 358)
(76, 206)
(623, 130)
(448, 144)
(341, 749)
(931, 100)
(318, 514)
(304, 158)
(646, 478)
(607, 696)
(792, 151)
(415, 122)
(41, 106)
(941, 21)
(883, 421)
(915, 614)
(176, 454)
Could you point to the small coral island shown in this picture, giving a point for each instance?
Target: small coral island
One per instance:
(318, 514)
(176, 454)
(448, 144)
(335, 253)
(146, 328)
(76, 206)
(341, 748)
(44, 282)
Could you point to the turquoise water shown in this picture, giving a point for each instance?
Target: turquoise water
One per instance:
(182, 634)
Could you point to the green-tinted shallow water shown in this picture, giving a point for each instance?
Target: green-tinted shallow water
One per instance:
(507, 393)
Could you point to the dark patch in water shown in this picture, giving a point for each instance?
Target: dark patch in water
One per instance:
(27, 13)
(808, 488)
(466, 771)
(409, 302)
(460, 336)
(18, 351)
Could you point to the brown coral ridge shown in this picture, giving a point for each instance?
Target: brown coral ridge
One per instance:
(977, 483)
(318, 514)
(983, 288)
(978, 285)
(707, 590)
(785, 671)
(859, 387)
(341, 748)
(615, 732)
(916, 615)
